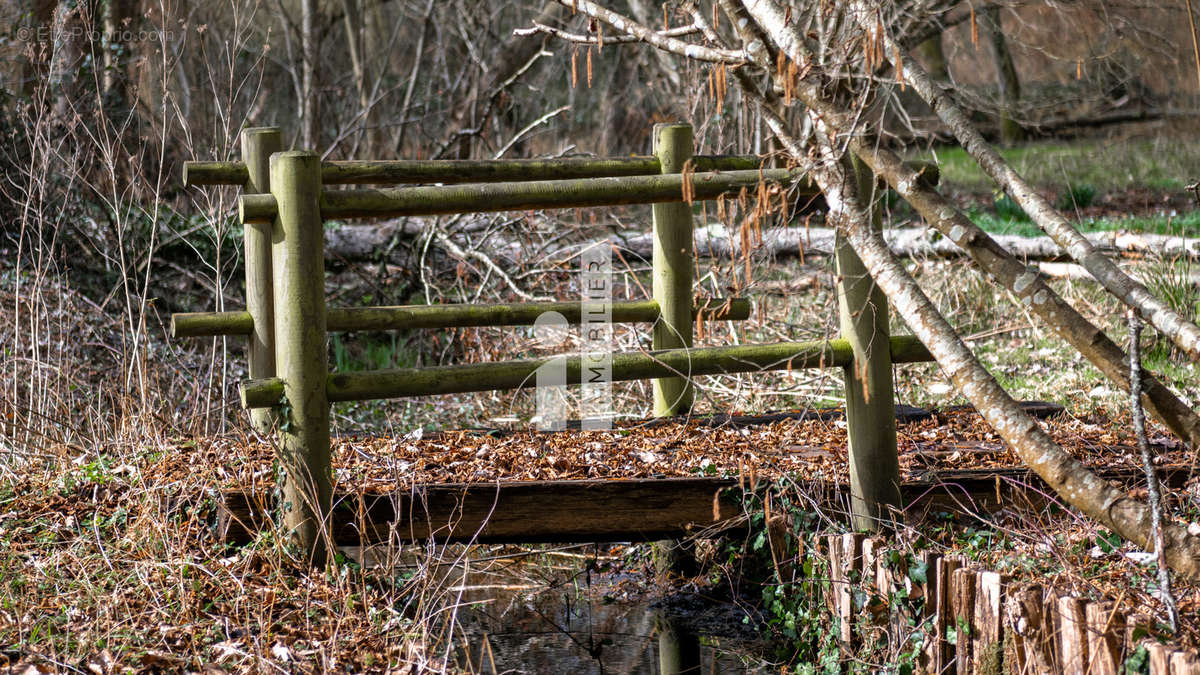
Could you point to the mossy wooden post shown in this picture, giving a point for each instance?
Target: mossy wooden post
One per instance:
(870, 410)
(673, 269)
(298, 258)
(258, 144)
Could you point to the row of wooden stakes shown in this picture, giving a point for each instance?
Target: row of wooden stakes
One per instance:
(976, 621)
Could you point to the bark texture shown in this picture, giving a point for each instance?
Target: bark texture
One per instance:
(1184, 333)
(1069, 478)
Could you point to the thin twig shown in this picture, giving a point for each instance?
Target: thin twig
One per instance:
(1152, 487)
(625, 25)
(577, 38)
(529, 127)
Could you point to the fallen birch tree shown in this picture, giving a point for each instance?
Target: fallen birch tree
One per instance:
(716, 240)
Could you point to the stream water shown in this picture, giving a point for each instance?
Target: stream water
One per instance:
(559, 618)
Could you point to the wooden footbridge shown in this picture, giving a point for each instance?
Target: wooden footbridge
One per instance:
(287, 198)
(290, 388)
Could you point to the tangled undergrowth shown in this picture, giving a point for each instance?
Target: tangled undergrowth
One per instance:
(108, 479)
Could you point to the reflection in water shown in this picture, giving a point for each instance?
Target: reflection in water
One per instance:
(563, 611)
(678, 649)
(568, 632)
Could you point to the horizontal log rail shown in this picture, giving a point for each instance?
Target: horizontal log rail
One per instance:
(351, 319)
(456, 171)
(518, 196)
(519, 374)
(453, 171)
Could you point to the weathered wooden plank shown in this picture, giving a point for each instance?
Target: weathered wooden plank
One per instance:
(1160, 658)
(1072, 636)
(987, 638)
(989, 490)
(871, 620)
(930, 659)
(243, 511)
(849, 565)
(545, 511)
(945, 655)
(963, 613)
(1106, 633)
(1033, 631)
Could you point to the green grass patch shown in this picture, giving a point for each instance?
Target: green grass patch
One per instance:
(1160, 164)
(1008, 222)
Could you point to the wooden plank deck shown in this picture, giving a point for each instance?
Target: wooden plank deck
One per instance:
(616, 510)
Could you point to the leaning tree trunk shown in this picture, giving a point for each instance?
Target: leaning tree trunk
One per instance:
(1068, 477)
(1028, 287)
(1092, 342)
(1167, 321)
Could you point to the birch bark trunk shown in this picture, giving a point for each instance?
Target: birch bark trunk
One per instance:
(1029, 287)
(1181, 331)
(988, 255)
(1068, 477)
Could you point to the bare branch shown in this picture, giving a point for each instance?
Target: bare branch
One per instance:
(577, 38)
(652, 37)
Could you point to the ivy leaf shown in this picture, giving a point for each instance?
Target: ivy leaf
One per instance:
(919, 573)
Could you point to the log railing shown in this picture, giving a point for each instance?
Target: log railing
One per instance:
(284, 206)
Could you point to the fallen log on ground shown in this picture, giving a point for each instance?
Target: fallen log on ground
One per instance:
(371, 242)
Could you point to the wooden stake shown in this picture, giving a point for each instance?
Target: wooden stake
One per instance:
(1185, 663)
(673, 270)
(1160, 658)
(988, 636)
(1072, 636)
(258, 144)
(298, 260)
(963, 612)
(870, 410)
(848, 560)
(1106, 633)
(943, 655)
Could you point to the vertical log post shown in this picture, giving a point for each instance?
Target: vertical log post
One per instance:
(258, 144)
(673, 270)
(298, 260)
(870, 411)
